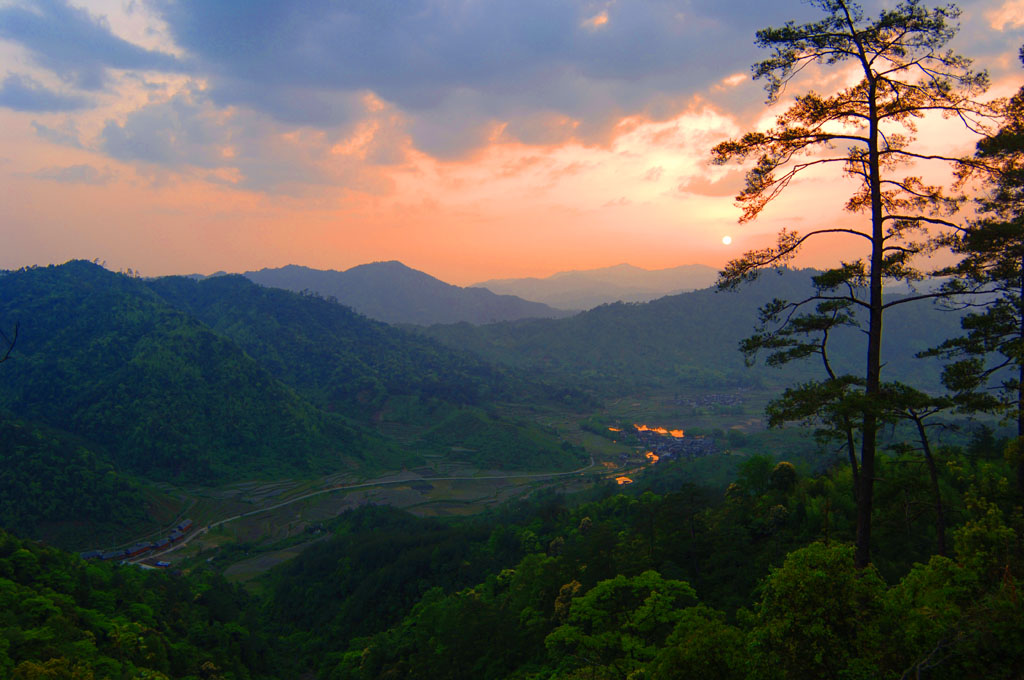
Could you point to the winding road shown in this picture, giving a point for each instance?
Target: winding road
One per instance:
(349, 487)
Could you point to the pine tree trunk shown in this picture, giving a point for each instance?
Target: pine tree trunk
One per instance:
(872, 388)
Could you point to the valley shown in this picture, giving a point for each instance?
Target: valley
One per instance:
(287, 510)
(781, 439)
(342, 494)
(293, 480)
(247, 527)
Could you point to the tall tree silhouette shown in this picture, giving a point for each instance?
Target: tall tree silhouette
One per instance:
(867, 130)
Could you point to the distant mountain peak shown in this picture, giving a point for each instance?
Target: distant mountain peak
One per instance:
(393, 292)
(385, 264)
(588, 288)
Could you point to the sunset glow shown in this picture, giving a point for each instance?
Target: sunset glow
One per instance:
(154, 136)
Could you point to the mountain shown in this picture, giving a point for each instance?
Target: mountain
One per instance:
(179, 379)
(590, 288)
(102, 356)
(690, 339)
(333, 356)
(394, 293)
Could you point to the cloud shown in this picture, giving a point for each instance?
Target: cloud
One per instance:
(75, 174)
(727, 184)
(732, 81)
(542, 71)
(597, 21)
(654, 174)
(67, 135)
(1008, 15)
(23, 93)
(377, 80)
(75, 45)
(187, 133)
(180, 131)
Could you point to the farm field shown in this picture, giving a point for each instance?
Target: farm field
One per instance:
(276, 520)
(247, 527)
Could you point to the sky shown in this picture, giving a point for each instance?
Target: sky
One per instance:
(470, 139)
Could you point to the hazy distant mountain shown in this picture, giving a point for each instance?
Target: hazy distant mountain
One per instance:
(592, 287)
(692, 339)
(395, 293)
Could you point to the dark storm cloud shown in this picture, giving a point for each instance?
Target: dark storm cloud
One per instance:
(454, 75)
(23, 93)
(75, 45)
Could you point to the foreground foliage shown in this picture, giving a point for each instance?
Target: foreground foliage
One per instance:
(47, 477)
(758, 582)
(61, 617)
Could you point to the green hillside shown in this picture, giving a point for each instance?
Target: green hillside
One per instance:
(102, 356)
(61, 617)
(55, 486)
(487, 441)
(338, 359)
(745, 584)
(608, 585)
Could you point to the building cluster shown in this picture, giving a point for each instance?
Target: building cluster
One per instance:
(141, 548)
(659, 444)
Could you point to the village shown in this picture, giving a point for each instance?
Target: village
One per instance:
(659, 444)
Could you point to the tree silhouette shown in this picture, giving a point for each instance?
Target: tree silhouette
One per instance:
(867, 130)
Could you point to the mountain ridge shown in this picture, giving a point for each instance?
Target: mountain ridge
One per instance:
(393, 292)
(588, 288)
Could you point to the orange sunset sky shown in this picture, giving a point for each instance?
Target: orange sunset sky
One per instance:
(470, 139)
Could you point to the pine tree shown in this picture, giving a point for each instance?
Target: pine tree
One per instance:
(868, 131)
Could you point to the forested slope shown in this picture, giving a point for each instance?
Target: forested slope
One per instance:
(101, 355)
(61, 617)
(339, 359)
(175, 379)
(690, 339)
(756, 583)
(57, 486)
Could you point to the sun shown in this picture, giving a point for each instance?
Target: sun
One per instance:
(727, 240)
